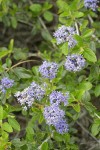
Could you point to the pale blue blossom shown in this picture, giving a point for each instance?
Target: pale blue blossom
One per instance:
(74, 62)
(58, 97)
(92, 4)
(48, 69)
(65, 34)
(6, 83)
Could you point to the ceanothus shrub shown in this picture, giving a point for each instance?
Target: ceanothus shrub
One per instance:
(41, 106)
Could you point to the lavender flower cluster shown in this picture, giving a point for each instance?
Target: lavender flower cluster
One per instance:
(36, 91)
(74, 62)
(48, 69)
(6, 83)
(65, 34)
(58, 97)
(28, 95)
(92, 4)
(54, 115)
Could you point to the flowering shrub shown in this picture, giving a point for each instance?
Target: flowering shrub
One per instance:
(46, 90)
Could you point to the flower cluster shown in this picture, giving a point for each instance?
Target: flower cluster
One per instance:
(92, 4)
(57, 97)
(61, 126)
(65, 34)
(74, 62)
(6, 83)
(28, 95)
(48, 69)
(55, 116)
(36, 91)
(24, 98)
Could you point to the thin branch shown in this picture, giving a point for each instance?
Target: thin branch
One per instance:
(87, 131)
(90, 19)
(44, 26)
(97, 115)
(26, 23)
(94, 36)
(46, 140)
(19, 64)
(77, 29)
(94, 146)
(38, 105)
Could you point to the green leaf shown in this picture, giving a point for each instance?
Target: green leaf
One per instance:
(47, 6)
(79, 40)
(23, 73)
(88, 33)
(11, 45)
(78, 14)
(91, 108)
(85, 86)
(41, 118)
(5, 135)
(46, 35)
(8, 62)
(63, 6)
(75, 4)
(58, 137)
(79, 93)
(14, 22)
(64, 14)
(36, 8)
(95, 129)
(86, 96)
(90, 55)
(44, 146)
(17, 143)
(48, 16)
(93, 46)
(7, 127)
(1, 112)
(76, 107)
(64, 48)
(20, 54)
(83, 25)
(14, 124)
(3, 52)
(30, 130)
(97, 90)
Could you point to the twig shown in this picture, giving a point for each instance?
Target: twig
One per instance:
(44, 26)
(94, 36)
(97, 115)
(26, 23)
(94, 146)
(87, 131)
(38, 105)
(77, 29)
(19, 64)
(46, 140)
(90, 19)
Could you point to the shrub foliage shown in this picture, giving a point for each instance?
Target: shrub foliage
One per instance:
(49, 74)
